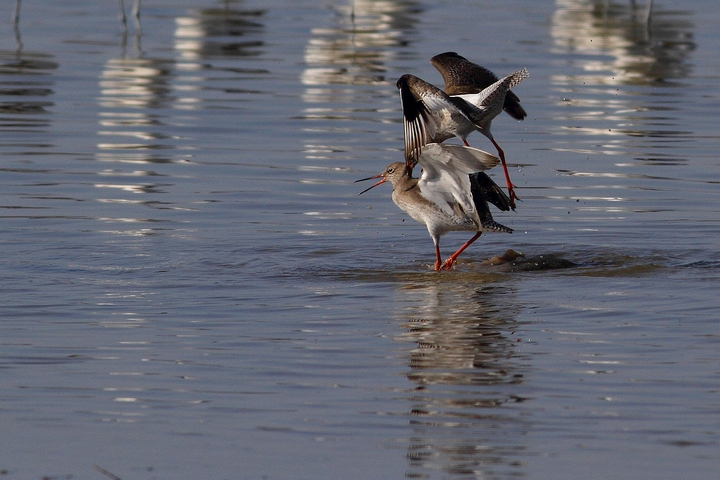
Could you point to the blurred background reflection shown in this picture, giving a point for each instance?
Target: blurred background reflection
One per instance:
(613, 53)
(347, 61)
(26, 101)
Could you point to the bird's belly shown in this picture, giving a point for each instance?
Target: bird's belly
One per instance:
(451, 125)
(443, 223)
(435, 218)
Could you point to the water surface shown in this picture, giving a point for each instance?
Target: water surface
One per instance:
(192, 288)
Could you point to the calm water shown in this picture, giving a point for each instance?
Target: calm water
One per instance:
(191, 287)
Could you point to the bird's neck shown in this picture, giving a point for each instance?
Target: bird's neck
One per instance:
(405, 183)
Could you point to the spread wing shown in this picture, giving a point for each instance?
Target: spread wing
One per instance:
(466, 160)
(462, 76)
(424, 108)
(498, 90)
(446, 173)
(482, 107)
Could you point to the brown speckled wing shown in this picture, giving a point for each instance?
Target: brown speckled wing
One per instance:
(462, 76)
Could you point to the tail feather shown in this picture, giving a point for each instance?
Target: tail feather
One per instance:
(517, 77)
(512, 106)
(483, 189)
(493, 226)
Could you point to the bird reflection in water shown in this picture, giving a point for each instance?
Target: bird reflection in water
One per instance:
(464, 367)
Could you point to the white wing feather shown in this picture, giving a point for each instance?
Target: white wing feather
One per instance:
(495, 93)
(445, 180)
(436, 156)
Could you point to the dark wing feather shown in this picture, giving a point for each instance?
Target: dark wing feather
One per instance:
(484, 190)
(423, 106)
(414, 121)
(488, 190)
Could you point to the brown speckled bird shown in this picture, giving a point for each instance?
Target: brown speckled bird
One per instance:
(452, 194)
(431, 115)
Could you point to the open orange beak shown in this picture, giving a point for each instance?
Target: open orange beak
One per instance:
(382, 175)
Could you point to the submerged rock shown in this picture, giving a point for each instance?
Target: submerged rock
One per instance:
(512, 261)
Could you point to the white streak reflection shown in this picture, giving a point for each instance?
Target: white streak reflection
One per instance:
(624, 67)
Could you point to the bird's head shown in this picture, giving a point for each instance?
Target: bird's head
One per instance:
(393, 173)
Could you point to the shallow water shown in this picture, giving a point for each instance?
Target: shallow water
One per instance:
(192, 288)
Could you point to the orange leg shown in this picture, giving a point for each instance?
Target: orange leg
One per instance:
(437, 257)
(511, 192)
(449, 262)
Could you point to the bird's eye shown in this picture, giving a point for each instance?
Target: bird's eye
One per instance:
(391, 170)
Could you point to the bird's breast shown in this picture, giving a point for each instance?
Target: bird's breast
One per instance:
(438, 212)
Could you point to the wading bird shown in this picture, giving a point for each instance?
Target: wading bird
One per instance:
(452, 194)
